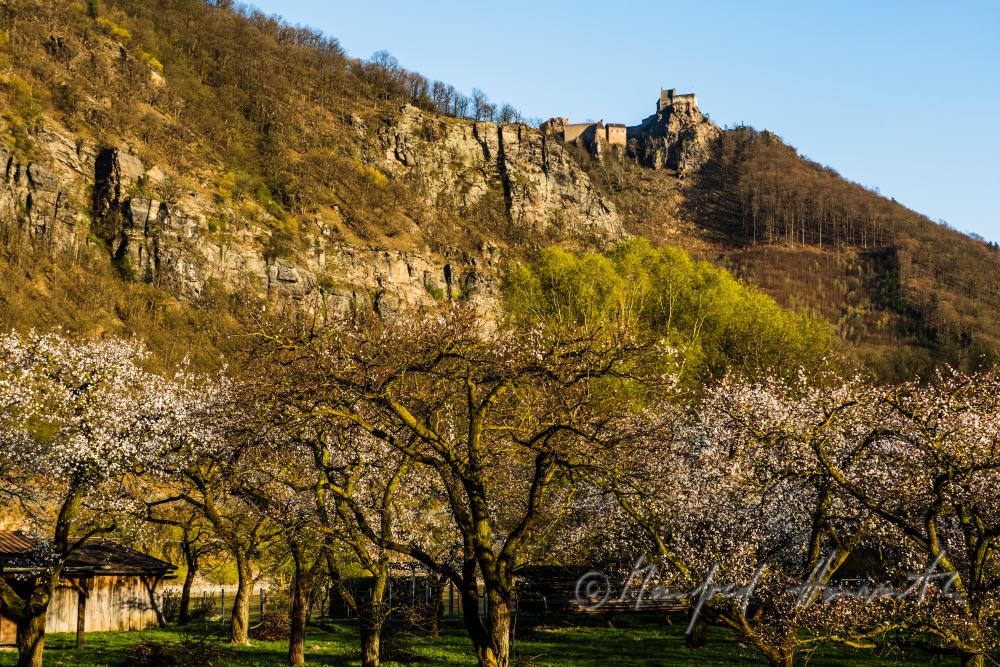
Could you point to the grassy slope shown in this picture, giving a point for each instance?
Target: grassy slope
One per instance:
(90, 299)
(587, 646)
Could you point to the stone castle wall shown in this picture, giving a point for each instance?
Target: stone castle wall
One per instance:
(588, 133)
(677, 136)
(574, 131)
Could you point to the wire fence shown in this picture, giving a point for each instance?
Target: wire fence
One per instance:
(405, 594)
(213, 604)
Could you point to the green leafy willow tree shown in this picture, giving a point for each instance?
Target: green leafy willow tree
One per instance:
(718, 324)
(502, 420)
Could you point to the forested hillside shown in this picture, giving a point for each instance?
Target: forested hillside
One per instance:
(161, 157)
(905, 292)
(933, 287)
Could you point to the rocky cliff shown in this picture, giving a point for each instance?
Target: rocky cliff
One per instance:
(459, 163)
(678, 136)
(76, 193)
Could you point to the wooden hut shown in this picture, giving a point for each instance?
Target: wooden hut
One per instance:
(105, 586)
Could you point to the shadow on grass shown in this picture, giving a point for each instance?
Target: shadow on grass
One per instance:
(570, 643)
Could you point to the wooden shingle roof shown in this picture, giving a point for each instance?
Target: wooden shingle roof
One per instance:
(15, 543)
(96, 557)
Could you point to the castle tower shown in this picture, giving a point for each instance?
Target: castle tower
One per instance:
(617, 134)
(669, 98)
(666, 99)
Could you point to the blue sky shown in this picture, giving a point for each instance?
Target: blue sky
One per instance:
(903, 96)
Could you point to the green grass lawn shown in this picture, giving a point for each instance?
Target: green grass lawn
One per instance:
(633, 643)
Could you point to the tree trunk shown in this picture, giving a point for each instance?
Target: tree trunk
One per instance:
(437, 605)
(372, 615)
(184, 613)
(498, 619)
(300, 609)
(239, 623)
(486, 656)
(780, 658)
(371, 639)
(81, 612)
(297, 634)
(698, 635)
(31, 641)
(973, 660)
(478, 634)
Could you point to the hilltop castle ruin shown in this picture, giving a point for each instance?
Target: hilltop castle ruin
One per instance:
(669, 97)
(676, 136)
(590, 134)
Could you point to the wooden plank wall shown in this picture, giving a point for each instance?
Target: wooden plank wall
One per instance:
(115, 603)
(8, 632)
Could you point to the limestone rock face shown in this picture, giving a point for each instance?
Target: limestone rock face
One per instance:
(458, 162)
(150, 240)
(169, 244)
(115, 173)
(288, 280)
(677, 137)
(78, 194)
(81, 191)
(545, 183)
(37, 205)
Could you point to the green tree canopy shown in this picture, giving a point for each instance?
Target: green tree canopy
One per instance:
(719, 324)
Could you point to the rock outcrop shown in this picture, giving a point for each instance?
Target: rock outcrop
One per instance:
(170, 244)
(44, 203)
(678, 136)
(458, 163)
(77, 194)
